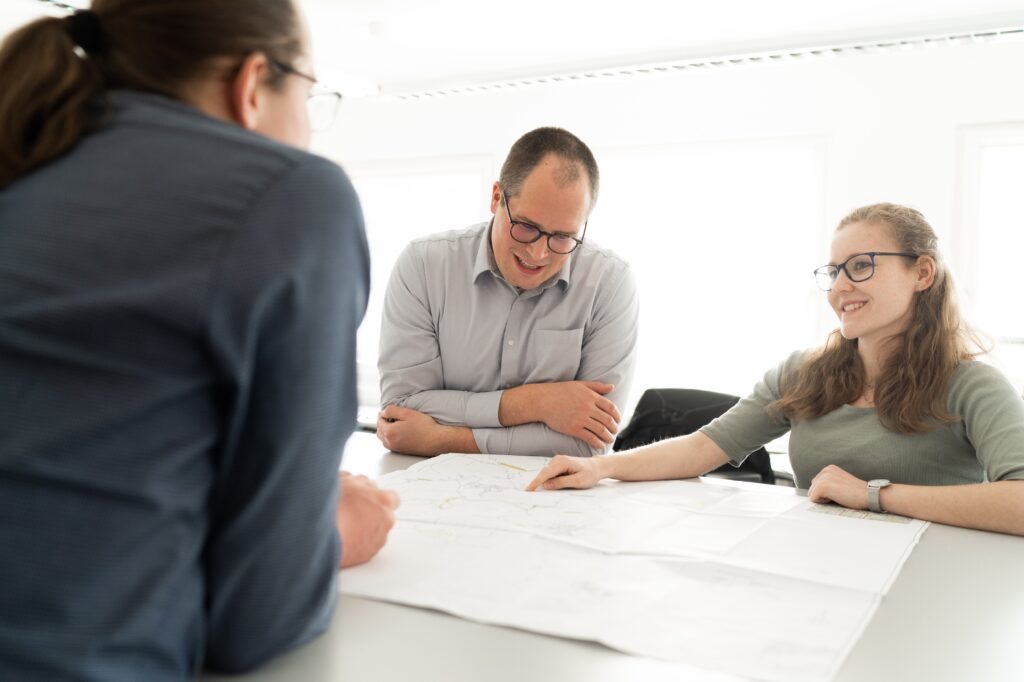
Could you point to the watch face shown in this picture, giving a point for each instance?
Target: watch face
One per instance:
(878, 483)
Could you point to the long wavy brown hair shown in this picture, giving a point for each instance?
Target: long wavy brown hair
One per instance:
(53, 90)
(910, 392)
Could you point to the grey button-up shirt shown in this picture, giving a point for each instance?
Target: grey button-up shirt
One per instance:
(455, 334)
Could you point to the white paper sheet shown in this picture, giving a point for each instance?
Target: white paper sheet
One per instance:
(752, 582)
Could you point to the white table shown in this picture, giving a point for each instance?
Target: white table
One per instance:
(955, 613)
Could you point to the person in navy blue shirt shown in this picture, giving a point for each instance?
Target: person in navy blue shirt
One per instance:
(180, 287)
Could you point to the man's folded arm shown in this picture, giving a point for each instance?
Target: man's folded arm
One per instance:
(450, 407)
(532, 439)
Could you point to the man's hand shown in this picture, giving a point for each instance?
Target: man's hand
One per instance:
(409, 432)
(569, 472)
(364, 518)
(575, 408)
(833, 484)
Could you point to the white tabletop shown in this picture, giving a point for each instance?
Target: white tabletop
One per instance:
(955, 613)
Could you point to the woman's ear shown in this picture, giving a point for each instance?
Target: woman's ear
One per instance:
(925, 269)
(244, 91)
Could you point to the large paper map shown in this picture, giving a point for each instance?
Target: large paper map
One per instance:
(750, 580)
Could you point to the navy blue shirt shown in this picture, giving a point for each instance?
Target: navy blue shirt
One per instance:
(179, 301)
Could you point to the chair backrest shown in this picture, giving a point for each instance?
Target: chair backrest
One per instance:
(667, 412)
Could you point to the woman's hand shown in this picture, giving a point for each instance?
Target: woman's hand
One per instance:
(569, 472)
(833, 484)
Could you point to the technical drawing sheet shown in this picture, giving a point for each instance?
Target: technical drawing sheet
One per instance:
(750, 580)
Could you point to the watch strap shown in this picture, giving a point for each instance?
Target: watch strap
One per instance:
(873, 503)
(874, 493)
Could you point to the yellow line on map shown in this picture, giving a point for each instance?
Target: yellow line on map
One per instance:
(512, 466)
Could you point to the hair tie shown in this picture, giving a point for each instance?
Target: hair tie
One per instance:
(85, 30)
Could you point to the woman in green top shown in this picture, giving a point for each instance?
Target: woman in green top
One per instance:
(892, 414)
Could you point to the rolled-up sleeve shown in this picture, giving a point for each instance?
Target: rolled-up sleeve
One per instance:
(291, 292)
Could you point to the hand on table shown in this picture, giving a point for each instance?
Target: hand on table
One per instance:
(410, 432)
(833, 484)
(364, 517)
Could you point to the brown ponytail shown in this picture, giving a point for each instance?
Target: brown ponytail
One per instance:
(52, 92)
(47, 94)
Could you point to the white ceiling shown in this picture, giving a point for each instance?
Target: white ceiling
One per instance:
(397, 46)
(404, 45)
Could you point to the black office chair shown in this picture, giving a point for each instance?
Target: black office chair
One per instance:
(667, 412)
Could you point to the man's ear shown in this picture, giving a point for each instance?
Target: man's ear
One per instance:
(495, 197)
(244, 92)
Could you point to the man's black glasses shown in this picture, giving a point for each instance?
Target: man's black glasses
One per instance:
(525, 233)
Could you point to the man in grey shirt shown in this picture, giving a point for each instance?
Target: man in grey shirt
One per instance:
(514, 336)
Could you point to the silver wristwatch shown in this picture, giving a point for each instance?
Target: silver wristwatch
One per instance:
(874, 486)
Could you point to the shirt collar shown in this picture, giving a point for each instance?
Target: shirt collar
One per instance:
(485, 263)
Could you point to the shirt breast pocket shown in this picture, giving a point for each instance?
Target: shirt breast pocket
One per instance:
(554, 355)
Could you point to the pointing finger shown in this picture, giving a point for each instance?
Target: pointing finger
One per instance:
(553, 468)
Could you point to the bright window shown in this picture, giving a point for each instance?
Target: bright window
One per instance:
(723, 238)
(996, 212)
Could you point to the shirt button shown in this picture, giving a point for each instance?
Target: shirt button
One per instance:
(511, 342)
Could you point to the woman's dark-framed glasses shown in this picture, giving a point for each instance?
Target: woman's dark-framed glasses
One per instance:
(858, 267)
(322, 103)
(525, 233)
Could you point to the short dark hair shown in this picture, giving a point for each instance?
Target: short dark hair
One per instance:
(529, 149)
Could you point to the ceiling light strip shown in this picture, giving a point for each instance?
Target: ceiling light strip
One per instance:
(731, 61)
